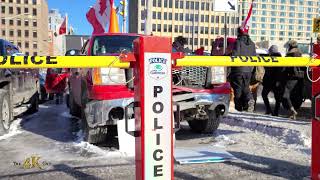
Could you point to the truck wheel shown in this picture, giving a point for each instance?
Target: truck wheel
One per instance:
(34, 102)
(93, 135)
(75, 110)
(206, 126)
(5, 112)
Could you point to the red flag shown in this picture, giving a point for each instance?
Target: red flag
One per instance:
(244, 26)
(99, 15)
(63, 27)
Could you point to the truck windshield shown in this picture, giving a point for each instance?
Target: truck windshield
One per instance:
(104, 45)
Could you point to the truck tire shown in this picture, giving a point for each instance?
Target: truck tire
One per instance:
(34, 102)
(206, 126)
(5, 112)
(93, 135)
(74, 109)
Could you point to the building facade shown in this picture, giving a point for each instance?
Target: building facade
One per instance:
(195, 20)
(25, 24)
(282, 20)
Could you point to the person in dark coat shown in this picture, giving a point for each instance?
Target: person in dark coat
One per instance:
(240, 76)
(271, 82)
(292, 76)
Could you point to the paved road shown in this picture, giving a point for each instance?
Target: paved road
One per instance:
(53, 136)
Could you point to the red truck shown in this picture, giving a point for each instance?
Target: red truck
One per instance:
(100, 95)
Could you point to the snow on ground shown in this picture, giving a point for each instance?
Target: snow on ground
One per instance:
(290, 133)
(15, 128)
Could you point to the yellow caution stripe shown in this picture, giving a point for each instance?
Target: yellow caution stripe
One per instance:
(113, 61)
(246, 61)
(61, 62)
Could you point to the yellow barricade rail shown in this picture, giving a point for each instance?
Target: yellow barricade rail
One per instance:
(247, 61)
(113, 61)
(61, 62)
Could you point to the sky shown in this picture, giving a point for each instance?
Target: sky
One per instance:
(76, 10)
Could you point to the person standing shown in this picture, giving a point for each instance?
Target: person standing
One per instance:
(271, 82)
(292, 76)
(240, 76)
(316, 48)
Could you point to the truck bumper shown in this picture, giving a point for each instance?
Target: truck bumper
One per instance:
(106, 112)
(213, 101)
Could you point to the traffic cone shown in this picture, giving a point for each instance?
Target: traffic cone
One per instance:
(114, 25)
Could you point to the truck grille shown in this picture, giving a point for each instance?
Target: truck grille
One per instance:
(190, 76)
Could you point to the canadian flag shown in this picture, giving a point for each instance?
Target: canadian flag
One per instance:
(245, 26)
(63, 27)
(99, 15)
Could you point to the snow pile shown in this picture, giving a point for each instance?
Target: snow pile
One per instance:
(287, 132)
(15, 128)
(90, 148)
(222, 141)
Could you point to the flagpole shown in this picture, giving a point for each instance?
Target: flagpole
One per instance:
(66, 24)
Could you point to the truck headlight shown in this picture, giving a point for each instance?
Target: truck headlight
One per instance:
(108, 76)
(218, 75)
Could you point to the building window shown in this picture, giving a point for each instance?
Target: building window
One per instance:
(176, 4)
(26, 22)
(10, 1)
(26, 44)
(176, 16)
(142, 29)
(154, 3)
(159, 15)
(34, 2)
(170, 16)
(34, 11)
(3, 9)
(176, 28)
(181, 16)
(154, 27)
(19, 22)
(154, 15)
(186, 29)
(3, 21)
(18, 10)
(11, 33)
(34, 23)
(165, 3)
(10, 10)
(181, 4)
(165, 14)
(187, 5)
(18, 1)
(170, 3)
(26, 10)
(26, 33)
(170, 28)
(217, 19)
(159, 27)
(35, 53)
(26, 1)
(35, 34)
(11, 22)
(206, 30)
(159, 3)
(165, 28)
(19, 33)
(3, 32)
(19, 44)
(181, 29)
